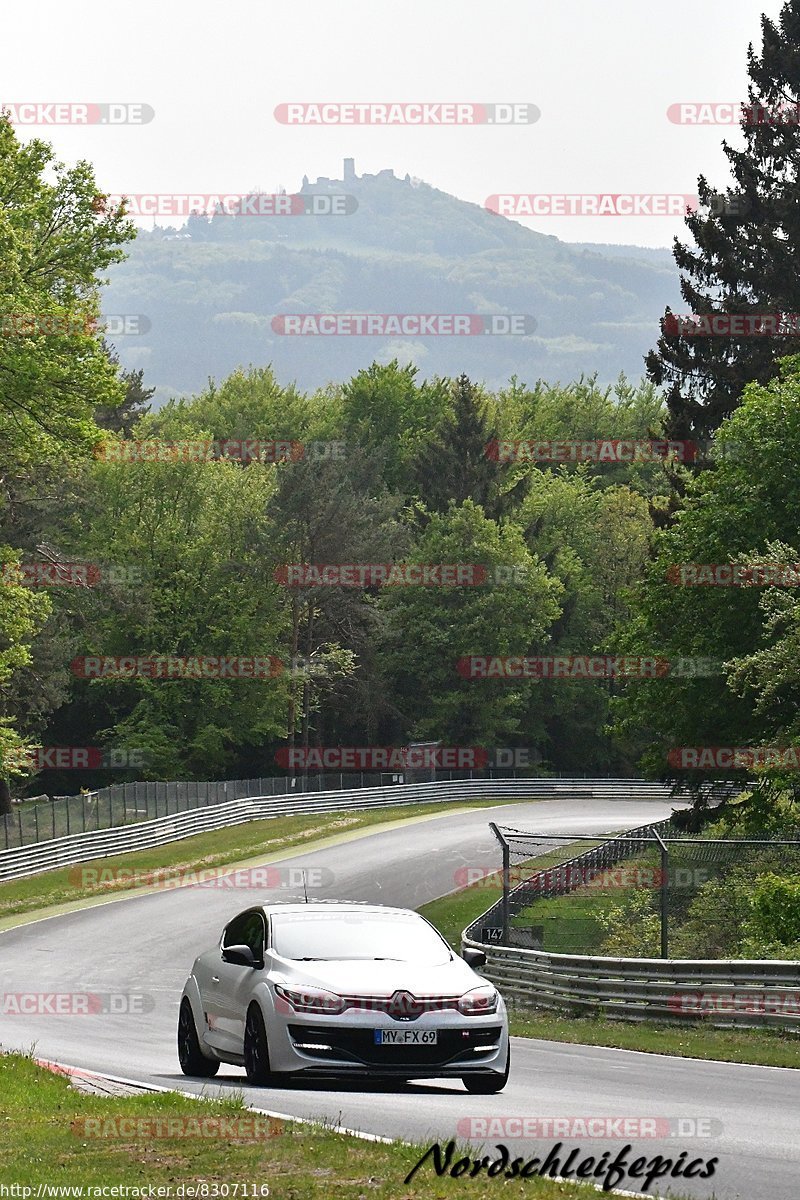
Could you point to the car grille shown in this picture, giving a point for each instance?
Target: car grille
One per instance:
(402, 1006)
(358, 1045)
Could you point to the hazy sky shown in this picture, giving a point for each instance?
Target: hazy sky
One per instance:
(602, 74)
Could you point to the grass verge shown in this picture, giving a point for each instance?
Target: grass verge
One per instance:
(764, 1047)
(105, 877)
(50, 1136)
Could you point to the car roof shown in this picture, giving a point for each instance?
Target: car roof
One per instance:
(343, 906)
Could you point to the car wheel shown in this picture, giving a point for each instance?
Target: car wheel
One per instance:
(256, 1051)
(190, 1056)
(487, 1085)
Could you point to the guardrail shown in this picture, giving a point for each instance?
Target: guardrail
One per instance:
(43, 818)
(722, 992)
(82, 847)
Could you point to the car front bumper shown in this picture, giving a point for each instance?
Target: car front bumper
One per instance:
(346, 1045)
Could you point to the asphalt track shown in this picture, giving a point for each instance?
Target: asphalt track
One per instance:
(146, 944)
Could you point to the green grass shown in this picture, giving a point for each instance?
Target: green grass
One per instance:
(767, 1047)
(44, 1139)
(221, 847)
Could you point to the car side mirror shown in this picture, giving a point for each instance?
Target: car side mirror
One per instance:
(240, 956)
(473, 957)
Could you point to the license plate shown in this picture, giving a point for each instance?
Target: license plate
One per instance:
(406, 1037)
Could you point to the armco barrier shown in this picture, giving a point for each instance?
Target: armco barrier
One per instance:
(138, 801)
(82, 847)
(723, 992)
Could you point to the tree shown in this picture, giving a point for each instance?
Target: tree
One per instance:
(192, 534)
(335, 512)
(21, 614)
(734, 514)
(247, 404)
(456, 464)
(428, 628)
(747, 244)
(384, 410)
(594, 540)
(134, 404)
(55, 238)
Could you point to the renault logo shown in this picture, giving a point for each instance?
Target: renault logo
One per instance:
(405, 1007)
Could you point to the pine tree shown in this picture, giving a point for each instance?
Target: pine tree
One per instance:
(458, 465)
(747, 253)
(123, 416)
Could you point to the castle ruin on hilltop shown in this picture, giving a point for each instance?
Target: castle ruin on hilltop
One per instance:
(349, 176)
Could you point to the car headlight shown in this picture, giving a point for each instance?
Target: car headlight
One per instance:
(479, 1001)
(309, 999)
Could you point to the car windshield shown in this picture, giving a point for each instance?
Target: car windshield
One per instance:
(357, 936)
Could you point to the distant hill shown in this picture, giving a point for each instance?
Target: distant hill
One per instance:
(210, 294)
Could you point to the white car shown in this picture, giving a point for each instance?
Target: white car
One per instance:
(334, 988)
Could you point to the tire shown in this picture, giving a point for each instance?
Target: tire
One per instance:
(256, 1050)
(190, 1056)
(487, 1085)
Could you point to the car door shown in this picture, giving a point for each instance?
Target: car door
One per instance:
(230, 985)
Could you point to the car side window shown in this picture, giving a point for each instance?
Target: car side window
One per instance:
(253, 935)
(239, 931)
(246, 930)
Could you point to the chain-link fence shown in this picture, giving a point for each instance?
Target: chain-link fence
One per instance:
(651, 892)
(129, 803)
(45, 818)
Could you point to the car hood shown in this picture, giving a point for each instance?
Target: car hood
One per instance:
(378, 978)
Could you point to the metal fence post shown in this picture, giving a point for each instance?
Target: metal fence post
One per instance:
(504, 907)
(664, 892)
